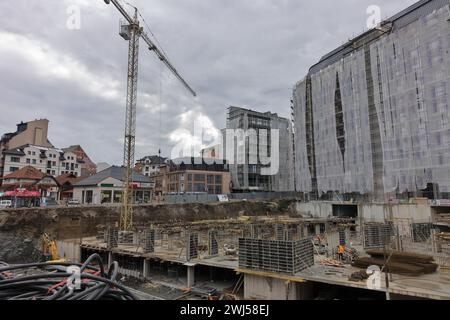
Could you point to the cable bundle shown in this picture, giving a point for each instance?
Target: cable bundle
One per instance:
(52, 281)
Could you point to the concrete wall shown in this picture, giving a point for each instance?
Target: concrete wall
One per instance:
(315, 209)
(369, 212)
(267, 288)
(380, 212)
(69, 250)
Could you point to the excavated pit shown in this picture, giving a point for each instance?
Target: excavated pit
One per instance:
(20, 230)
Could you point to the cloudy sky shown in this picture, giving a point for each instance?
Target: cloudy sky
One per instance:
(244, 53)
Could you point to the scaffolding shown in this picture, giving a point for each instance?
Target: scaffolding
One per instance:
(381, 115)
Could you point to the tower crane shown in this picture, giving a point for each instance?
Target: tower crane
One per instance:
(131, 31)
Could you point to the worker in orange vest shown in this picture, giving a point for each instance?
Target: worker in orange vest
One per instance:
(341, 250)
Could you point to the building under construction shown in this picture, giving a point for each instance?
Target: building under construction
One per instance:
(372, 117)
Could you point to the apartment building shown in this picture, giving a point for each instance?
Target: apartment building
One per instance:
(248, 138)
(30, 146)
(192, 175)
(50, 161)
(88, 167)
(150, 165)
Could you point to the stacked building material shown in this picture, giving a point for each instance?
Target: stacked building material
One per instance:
(398, 262)
(287, 257)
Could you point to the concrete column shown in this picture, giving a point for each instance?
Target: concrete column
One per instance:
(190, 276)
(146, 269)
(305, 231)
(317, 229)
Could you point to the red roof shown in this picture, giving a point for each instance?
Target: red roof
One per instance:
(28, 172)
(68, 178)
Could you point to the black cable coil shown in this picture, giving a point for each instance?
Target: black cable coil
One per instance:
(52, 281)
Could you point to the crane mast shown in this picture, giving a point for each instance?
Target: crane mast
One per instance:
(132, 32)
(126, 214)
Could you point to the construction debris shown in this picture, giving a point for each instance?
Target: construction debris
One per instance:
(332, 263)
(358, 276)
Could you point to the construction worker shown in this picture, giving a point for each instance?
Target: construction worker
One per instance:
(341, 250)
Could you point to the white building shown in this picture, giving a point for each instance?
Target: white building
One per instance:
(50, 161)
(106, 187)
(150, 165)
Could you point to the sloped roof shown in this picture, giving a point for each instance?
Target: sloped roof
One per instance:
(68, 178)
(15, 152)
(153, 160)
(28, 172)
(72, 148)
(112, 172)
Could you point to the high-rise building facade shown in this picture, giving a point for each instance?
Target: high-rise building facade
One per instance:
(252, 132)
(373, 116)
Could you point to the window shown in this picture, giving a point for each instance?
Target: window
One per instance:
(28, 160)
(199, 177)
(29, 153)
(89, 196)
(199, 187)
(15, 159)
(34, 161)
(33, 153)
(54, 163)
(218, 179)
(117, 196)
(210, 179)
(13, 169)
(53, 172)
(106, 196)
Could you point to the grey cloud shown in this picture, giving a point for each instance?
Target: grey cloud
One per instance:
(234, 52)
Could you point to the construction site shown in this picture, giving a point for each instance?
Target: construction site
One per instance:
(281, 250)
(369, 218)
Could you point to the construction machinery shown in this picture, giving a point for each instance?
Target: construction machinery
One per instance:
(49, 249)
(131, 31)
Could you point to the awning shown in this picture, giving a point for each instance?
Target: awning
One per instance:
(23, 193)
